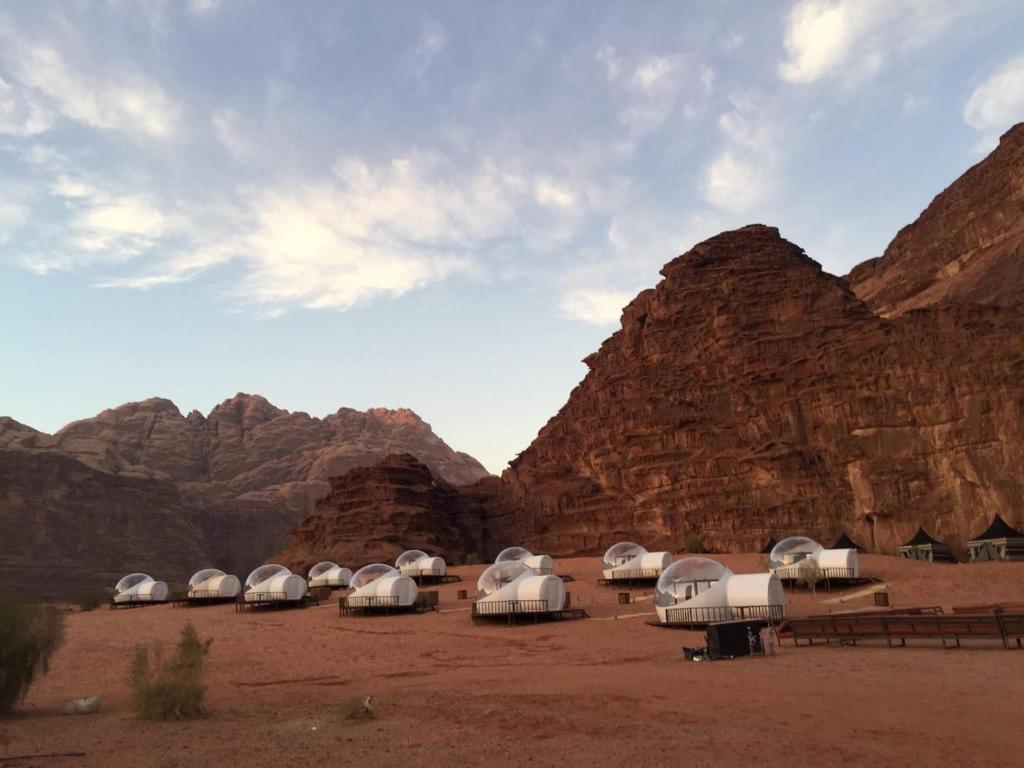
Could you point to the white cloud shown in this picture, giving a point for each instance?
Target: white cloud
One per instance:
(853, 39)
(230, 131)
(123, 101)
(203, 6)
(19, 114)
(998, 102)
(595, 305)
(364, 232)
(652, 88)
(743, 173)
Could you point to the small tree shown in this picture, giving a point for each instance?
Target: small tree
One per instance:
(694, 543)
(170, 689)
(809, 574)
(30, 633)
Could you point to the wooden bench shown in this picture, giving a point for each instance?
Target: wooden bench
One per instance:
(898, 628)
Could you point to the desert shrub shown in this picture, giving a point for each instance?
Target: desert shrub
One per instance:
(89, 600)
(694, 543)
(809, 574)
(30, 633)
(357, 709)
(170, 688)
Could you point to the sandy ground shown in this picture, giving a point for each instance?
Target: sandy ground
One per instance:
(603, 691)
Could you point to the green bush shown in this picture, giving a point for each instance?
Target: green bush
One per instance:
(30, 633)
(694, 543)
(170, 689)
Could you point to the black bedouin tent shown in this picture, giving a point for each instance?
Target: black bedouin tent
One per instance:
(845, 542)
(769, 546)
(924, 547)
(999, 541)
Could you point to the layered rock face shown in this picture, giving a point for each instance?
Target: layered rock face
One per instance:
(373, 514)
(751, 394)
(966, 248)
(142, 487)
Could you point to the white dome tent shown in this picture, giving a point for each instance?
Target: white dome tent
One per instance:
(511, 590)
(380, 588)
(211, 585)
(328, 574)
(627, 562)
(697, 590)
(274, 585)
(542, 565)
(798, 556)
(423, 568)
(139, 589)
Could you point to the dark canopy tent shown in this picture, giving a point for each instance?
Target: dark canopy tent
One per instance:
(999, 541)
(924, 547)
(769, 546)
(845, 542)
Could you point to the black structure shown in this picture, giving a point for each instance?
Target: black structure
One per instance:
(732, 639)
(924, 547)
(845, 542)
(999, 541)
(769, 546)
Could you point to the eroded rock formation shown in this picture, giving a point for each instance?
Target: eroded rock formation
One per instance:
(967, 247)
(142, 487)
(373, 514)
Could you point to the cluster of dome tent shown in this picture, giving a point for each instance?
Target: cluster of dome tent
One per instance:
(691, 590)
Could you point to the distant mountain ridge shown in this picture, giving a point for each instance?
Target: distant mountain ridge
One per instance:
(142, 486)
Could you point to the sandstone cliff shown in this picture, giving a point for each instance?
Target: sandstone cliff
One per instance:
(967, 247)
(141, 487)
(373, 514)
(750, 394)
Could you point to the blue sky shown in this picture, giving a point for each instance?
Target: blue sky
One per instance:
(443, 205)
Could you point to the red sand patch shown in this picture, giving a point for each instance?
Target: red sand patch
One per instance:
(557, 694)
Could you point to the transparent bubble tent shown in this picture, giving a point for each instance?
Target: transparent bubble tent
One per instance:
(328, 574)
(539, 564)
(699, 590)
(627, 560)
(380, 585)
(213, 584)
(796, 552)
(415, 563)
(274, 583)
(513, 587)
(140, 588)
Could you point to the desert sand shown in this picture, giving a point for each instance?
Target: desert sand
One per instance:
(595, 692)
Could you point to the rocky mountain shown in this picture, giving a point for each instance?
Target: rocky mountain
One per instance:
(141, 487)
(752, 394)
(966, 248)
(373, 514)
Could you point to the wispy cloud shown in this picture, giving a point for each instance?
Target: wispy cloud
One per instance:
(125, 101)
(595, 305)
(743, 173)
(851, 40)
(997, 103)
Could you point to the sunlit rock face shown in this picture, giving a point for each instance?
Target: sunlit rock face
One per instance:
(966, 248)
(750, 395)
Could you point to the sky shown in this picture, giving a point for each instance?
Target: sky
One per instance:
(441, 206)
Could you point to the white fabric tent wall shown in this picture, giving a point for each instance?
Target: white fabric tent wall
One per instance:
(627, 558)
(699, 582)
(539, 564)
(788, 556)
(328, 574)
(515, 581)
(415, 562)
(211, 582)
(381, 581)
(274, 582)
(139, 588)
